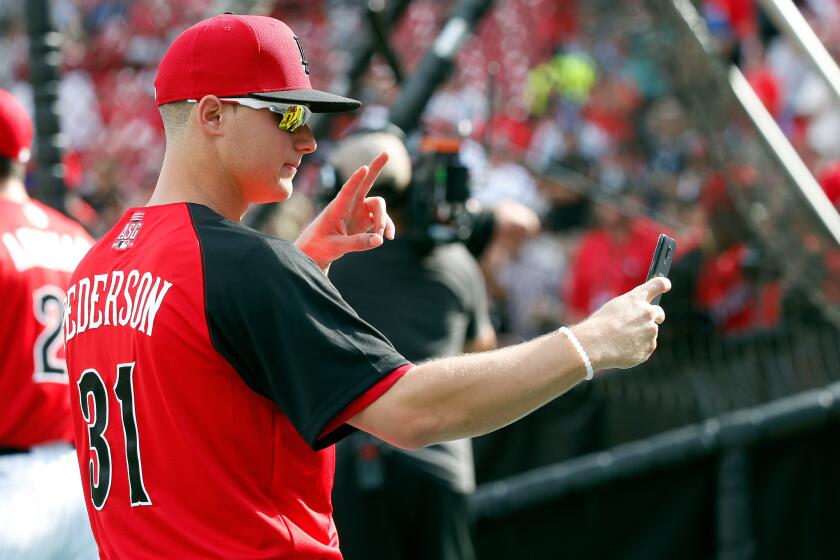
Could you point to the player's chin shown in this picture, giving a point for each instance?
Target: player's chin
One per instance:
(283, 188)
(277, 191)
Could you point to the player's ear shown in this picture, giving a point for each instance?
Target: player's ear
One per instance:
(211, 115)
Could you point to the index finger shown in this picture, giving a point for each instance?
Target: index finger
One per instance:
(363, 188)
(654, 287)
(344, 199)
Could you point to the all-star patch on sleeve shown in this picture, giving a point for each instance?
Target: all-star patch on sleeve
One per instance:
(278, 320)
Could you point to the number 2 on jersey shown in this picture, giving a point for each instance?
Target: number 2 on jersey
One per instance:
(48, 307)
(91, 383)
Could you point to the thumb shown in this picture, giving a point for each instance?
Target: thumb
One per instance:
(362, 242)
(654, 287)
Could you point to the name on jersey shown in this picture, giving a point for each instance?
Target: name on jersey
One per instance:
(122, 299)
(30, 248)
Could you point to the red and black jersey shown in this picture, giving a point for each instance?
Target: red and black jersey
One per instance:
(211, 370)
(39, 248)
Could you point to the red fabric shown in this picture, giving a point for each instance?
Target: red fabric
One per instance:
(39, 248)
(830, 182)
(15, 129)
(604, 269)
(559, 21)
(768, 88)
(714, 196)
(741, 15)
(611, 105)
(230, 55)
(226, 472)
(73, 169)
(731, 300)
(366, 399)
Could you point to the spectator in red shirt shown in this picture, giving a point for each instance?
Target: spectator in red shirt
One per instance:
(611, 257)
(720, 293)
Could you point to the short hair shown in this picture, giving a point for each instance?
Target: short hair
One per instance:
(175, 116)
(10, 168)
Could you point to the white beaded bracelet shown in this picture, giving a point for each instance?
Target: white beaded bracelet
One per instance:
(590, 373)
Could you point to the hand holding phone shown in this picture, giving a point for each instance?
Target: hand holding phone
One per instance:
(660, 265)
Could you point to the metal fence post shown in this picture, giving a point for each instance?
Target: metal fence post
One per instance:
(734, 526)
(44, 73)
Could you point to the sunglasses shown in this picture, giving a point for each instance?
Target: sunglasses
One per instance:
(291, 116)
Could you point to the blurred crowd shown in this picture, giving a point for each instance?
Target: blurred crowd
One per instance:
(562, 105)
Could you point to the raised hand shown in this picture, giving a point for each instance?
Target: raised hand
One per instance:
(622, 333)
(351, 222)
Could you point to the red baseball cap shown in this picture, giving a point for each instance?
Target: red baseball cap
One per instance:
(15, 129)
(232, 55)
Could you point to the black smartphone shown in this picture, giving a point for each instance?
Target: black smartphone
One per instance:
(660, 265)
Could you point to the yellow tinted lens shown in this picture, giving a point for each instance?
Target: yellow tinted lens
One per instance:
(293, 118)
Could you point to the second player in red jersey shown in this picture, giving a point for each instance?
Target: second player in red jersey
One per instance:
(41, 509)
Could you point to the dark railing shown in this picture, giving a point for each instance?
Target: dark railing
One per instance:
(725, 454)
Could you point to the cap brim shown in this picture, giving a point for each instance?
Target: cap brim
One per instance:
(318, 101)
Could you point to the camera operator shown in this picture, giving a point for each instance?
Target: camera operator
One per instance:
(429, 299)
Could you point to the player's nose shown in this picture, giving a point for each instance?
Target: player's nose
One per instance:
(304, 140)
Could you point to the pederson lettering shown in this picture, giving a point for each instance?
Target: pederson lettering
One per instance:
(121, 299)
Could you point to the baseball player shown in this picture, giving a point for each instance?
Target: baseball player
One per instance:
(212, 367)
(42, 513)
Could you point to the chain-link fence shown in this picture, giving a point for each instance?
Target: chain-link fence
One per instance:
(753, 315)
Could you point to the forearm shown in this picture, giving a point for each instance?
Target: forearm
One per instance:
(471, 395)
(477, 393)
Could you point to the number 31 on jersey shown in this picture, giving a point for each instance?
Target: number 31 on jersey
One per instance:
(93, 396)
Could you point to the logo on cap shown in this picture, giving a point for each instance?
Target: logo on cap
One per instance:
(302, 55)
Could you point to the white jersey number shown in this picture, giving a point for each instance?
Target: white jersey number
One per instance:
(49, 306)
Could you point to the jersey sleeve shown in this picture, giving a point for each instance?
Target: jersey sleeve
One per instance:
(277, 319)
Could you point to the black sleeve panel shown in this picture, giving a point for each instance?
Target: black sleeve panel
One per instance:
(274, 315)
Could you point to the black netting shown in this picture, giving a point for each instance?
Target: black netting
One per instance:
(754, 312)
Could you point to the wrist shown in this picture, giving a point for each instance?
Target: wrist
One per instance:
(309, 252)
(582, 354)
(590, 340)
